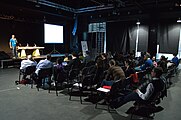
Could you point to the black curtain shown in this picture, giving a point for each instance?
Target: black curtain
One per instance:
(121, 37)
(117, 37)
(143, 38)
(132, 37)
(168, 38)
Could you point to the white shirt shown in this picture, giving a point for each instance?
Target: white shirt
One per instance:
(26, 63)
(148, 93)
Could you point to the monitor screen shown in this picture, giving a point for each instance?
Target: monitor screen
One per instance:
(53, 33)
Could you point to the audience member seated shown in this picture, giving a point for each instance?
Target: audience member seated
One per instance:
(100, 72)
(163, 63)
(59, 65)
(105, 61)
(146, 92)
(141, 59)
(119, 58)
(113, 73)
(44, 64)
(67, 58)
(129, 68)
(26, 63)
(59, 70)
(154, 61)
(175, 60)
(148, 63)
(75, 62)
(87, 58)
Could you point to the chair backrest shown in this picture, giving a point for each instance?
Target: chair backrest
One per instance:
(126, 83)
(88, 80)
(30, 69)
(90, 63)
(46, 72)
(59, 75)
(73, 74)
(148, 70)
(85, 71)
(116, 88)
(92, 69)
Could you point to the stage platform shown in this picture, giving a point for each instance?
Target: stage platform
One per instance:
(17, 62)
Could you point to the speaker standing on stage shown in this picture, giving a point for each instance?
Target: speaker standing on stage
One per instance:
(12, 45)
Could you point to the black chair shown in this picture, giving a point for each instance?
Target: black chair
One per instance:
(59, 78)
(110, 94)
(27, 71)
(126, 84)
(90, 63)
(146, 108)
(44, 74)
(169, 75)
(148, 72)
(72, 77)
(84, 84)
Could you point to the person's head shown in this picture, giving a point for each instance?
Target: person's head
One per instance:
(29, 57)
(146, 56)
(66, 54)
(174, 54)
(99, 62)
(59, 60)
(48, 57)
(157, 72)
(104, 56)
(13, 36)
(87, 53)
(153, 58)
(74, 55)
(129, 63)
(112, 62)
(162, 57)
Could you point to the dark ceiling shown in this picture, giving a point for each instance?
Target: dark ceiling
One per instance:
(80, 6)
(70, 8)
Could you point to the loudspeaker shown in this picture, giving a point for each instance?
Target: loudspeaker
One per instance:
(4, 55)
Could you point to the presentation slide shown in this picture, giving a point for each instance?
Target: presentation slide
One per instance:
(53, 33)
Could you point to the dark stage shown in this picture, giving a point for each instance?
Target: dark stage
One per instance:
(17, 62)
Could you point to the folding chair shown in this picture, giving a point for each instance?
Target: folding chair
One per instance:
(59, 78)
(42, 75)
(110, 93)
(83, 85)
(27, 71)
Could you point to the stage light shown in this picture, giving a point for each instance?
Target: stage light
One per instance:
(179, 20)
(138, 23)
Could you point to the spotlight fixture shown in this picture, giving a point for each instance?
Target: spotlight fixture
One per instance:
(179, 20)
(138, 23)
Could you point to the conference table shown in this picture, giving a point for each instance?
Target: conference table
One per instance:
(35, 49)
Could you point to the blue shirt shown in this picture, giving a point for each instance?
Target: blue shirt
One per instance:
(13, 42)
(175, 60)
(43, 64)
(148, 63)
